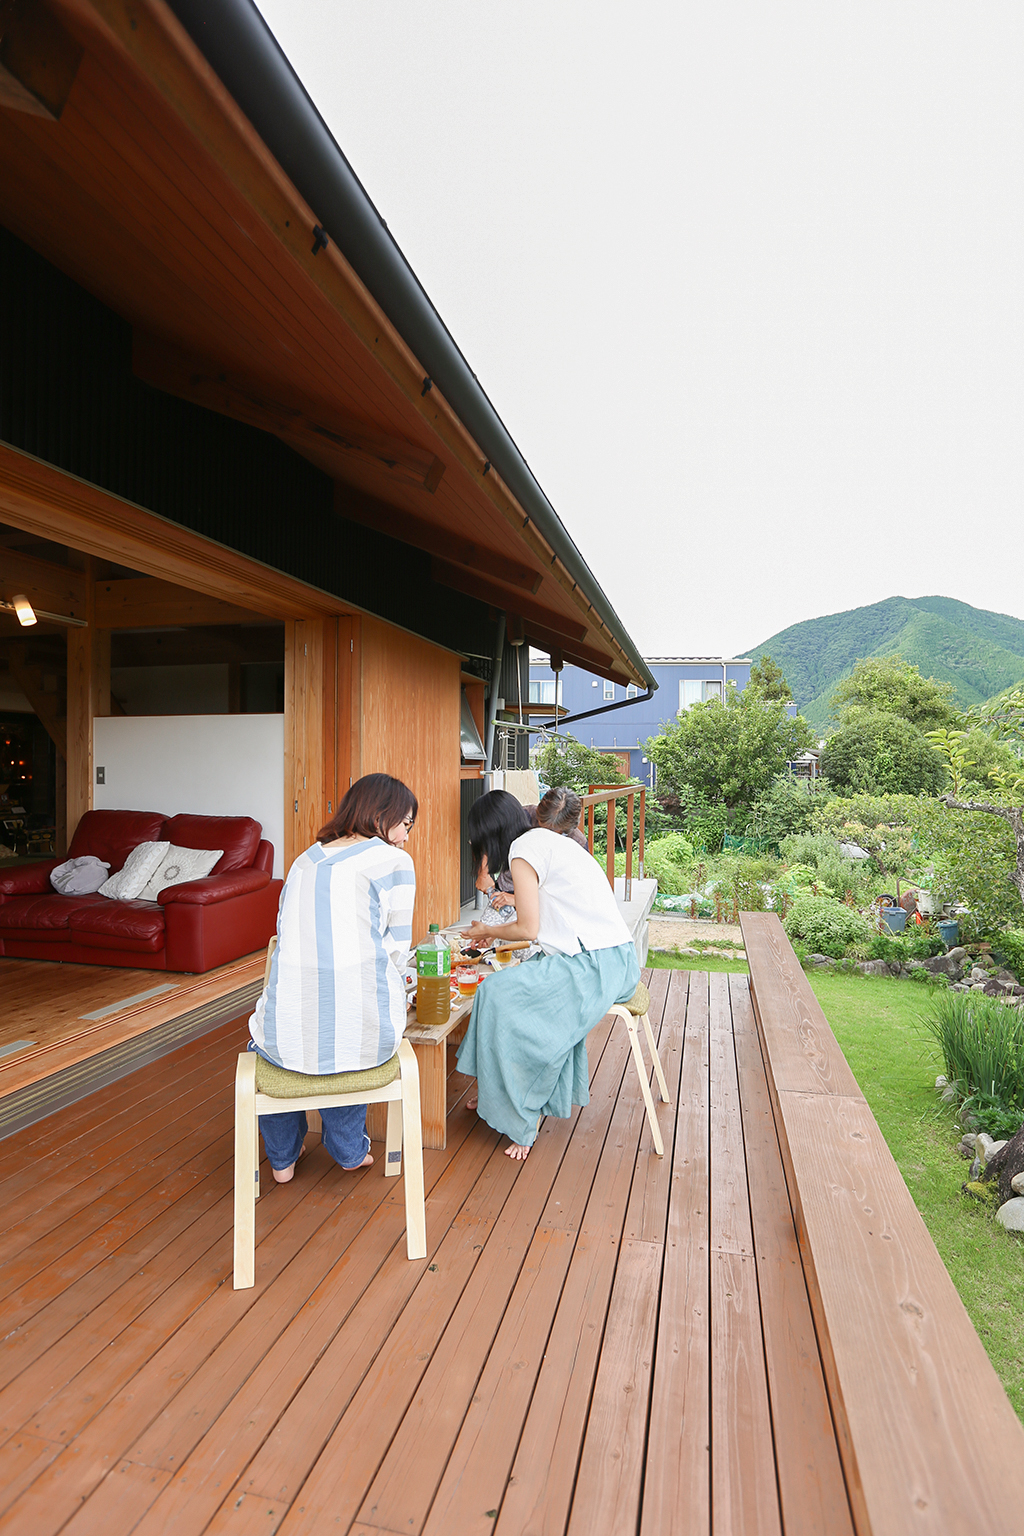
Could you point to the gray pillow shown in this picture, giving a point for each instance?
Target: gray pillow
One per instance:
(178, 866)
(140, 864)
(79, 877)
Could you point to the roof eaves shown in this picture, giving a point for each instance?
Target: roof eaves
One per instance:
(243, 52)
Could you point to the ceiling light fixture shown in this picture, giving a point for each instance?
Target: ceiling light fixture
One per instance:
(27, 615)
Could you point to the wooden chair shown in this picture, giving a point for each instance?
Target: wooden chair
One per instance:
(396, 1083)
(638, 1008)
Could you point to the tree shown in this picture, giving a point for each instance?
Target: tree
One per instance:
(889, 685)
(767, 681)
(1005, 717)
(564, 762)
(878, 753)
(730, 751)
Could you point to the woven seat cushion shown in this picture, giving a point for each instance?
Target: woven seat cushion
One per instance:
(278, 1083)
(640, 1002)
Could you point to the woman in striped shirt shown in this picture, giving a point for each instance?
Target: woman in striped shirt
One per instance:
(335, 997)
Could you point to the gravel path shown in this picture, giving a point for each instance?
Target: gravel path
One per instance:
(669, 931)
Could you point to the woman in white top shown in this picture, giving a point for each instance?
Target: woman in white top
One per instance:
(526, 1041)
(335, 997)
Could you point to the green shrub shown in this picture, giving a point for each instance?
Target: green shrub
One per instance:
(899, 948)
(827, 927)
(786, 808)
(820, 853)
(982, 1045)
(1010, 946)
(666, 860)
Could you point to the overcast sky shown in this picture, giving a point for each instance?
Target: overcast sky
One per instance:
(744, 281)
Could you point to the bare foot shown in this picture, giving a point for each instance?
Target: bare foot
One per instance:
(367, 1160)
(285, 1175)
(517, 1153)
(472, 1103)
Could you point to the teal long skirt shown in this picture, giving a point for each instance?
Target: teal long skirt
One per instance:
(526, 1044)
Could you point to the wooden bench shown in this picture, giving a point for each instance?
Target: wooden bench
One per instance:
(929, 1440)
(430, 1042)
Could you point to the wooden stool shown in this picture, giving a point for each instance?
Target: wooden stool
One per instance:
(638, 1008)
(261, 1088)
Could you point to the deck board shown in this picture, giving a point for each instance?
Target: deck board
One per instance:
(600, 1341)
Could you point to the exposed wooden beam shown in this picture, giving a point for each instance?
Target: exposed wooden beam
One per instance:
(421, 534)
(461, 580)
(55, 588)
(577, 655)
(38, 59)
(330, 436)
(197, 644)
(46, 705)
(144, 601)
(44, 499)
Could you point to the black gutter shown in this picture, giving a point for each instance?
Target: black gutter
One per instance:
(242, 50)
(588, 714)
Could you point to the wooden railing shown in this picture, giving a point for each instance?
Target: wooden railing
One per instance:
(610, 794)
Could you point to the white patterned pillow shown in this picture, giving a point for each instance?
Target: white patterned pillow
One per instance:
(179, 865)
(139, 866)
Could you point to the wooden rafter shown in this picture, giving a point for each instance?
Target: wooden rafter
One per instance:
(47, 706)
(461, 580)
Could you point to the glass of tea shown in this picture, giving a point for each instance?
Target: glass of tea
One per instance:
(469, 980)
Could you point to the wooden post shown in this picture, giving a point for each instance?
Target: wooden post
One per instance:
(643, 812)
(88, 685)
(629, 847)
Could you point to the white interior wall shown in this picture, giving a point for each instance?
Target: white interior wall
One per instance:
(212, 765)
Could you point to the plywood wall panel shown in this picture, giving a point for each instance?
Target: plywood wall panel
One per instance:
(410, 728)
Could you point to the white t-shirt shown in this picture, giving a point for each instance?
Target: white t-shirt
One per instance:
(577, 906)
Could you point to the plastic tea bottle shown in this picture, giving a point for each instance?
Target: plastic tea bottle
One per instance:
(433, 979)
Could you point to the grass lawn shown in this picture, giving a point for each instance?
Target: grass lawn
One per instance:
(876, 1022)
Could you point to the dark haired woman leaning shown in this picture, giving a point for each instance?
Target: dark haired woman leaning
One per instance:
(526, 1041)
(335, 997)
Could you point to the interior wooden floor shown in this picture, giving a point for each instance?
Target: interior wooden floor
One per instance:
(599, 1341)
(53, 1015)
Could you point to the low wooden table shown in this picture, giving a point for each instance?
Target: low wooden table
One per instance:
(430, 1042)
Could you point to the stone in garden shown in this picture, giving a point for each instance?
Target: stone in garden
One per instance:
(874, 967)
(997, 1146)
(1017, 1183)
(1004, 975)
(977, 974)
(820, 960)
(1011, 1215)
(957, 953)
(994, 989)
(941, 1080)
(966, 1147)
(985, 1144)
(942, 963)
(948, 1094)
(977, 1169)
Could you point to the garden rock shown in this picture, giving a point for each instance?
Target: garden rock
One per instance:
(977, 1169)
(944, 965)
(1011, 1215)
(957, 953)
(977, 974)
(997, 1146)
(875, 968)
(966, 1148)
(820, 960)
(1017, 1183)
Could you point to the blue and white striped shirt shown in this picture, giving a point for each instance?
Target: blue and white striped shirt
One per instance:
(335, 998)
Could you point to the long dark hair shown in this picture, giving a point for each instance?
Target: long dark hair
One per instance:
(495, 821)
(373, 805)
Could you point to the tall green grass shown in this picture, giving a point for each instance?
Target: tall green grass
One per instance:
(982, 1045)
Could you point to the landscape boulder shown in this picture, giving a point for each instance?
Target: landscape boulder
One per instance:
(1011, 1215)
(945, 965)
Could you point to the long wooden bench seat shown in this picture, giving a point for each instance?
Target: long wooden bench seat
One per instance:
(929, 1440)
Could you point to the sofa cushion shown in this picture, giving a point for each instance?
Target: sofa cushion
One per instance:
(131, 880)
(111, 835)
(239, 836)
(44, 917)
(134, 924)
(178, 866)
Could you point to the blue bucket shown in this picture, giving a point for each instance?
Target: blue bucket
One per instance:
(894, 918)
(948, 931)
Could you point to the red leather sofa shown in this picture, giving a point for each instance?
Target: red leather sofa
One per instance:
(192, 927)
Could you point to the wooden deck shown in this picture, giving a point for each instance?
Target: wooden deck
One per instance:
(599, 1341)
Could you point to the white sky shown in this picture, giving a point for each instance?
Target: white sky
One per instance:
(744, 281)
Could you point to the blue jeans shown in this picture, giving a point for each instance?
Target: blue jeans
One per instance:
(344, 1135)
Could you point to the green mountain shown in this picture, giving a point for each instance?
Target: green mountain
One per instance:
(980, 653)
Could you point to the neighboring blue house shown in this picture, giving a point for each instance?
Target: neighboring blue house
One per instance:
(682, 681)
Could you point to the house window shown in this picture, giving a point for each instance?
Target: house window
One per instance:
(609, 690)
(713, 690)
(691, 691)
(542, 693)
(632, 691)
